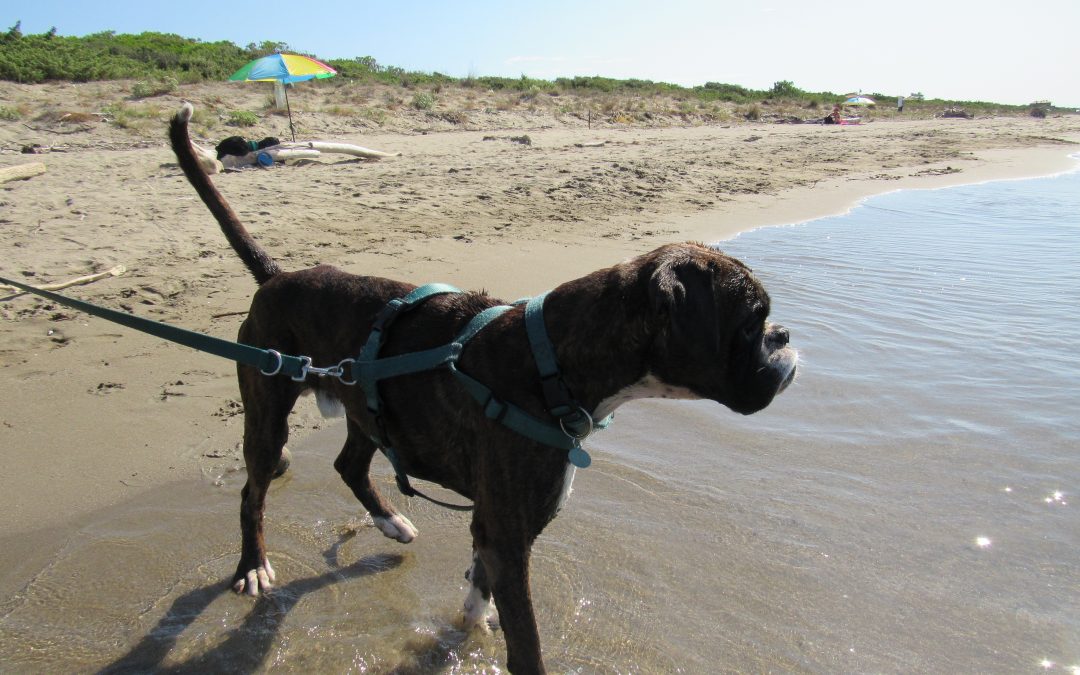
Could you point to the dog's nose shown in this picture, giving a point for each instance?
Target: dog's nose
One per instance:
(779, 336)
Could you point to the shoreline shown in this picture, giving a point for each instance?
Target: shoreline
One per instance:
(173, 415)
(802, 205)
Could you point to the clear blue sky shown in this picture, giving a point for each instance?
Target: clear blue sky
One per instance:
(1008, 52)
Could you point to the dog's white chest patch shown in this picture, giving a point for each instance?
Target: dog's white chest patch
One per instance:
(649, 386)
(567, 486)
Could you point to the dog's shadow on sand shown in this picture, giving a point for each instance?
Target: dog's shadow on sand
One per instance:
(246, 647)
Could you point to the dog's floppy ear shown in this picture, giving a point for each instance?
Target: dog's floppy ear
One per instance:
(683, 297)
(666, 290)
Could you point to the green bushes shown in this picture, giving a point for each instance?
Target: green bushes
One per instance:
(158, 87)
(161, 62)
(733, 93)
(242, 118)
(108, 56)
(786, 89)
(423, 100)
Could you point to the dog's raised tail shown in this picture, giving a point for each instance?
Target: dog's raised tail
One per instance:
(260, 263)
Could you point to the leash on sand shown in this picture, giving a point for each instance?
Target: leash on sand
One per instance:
(268, 361)
(574, 422)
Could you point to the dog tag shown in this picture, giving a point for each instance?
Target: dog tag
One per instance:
(579, 458)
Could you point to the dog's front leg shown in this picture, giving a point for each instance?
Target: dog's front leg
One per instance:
(353, 464)
(506, 562)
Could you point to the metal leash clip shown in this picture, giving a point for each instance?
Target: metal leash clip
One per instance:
(337, 371)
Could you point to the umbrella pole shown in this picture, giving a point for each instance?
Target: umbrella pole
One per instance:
(292, 129)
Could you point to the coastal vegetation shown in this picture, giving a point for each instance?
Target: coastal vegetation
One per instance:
(160, 63)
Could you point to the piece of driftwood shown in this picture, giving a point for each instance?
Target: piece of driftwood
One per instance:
(78, 281)
(21, 171)
(343, 148)
(283, 153)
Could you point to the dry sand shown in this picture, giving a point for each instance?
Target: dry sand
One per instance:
(92, 413)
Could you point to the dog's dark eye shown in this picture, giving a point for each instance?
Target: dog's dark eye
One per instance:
(751, 330)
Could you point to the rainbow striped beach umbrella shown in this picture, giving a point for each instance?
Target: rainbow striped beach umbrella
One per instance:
(286, 69)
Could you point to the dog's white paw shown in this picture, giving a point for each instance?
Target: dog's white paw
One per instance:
(258, 580)
(479, 613)
(396, 527)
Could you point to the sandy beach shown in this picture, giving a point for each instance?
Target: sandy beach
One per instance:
(93, 415)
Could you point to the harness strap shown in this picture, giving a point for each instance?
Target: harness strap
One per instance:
(560, 401)
(406, 488)
(513, 417)
(368, 377)
(370, 369)
(268, 361)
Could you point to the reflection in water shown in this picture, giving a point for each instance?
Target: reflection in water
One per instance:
(904, 507)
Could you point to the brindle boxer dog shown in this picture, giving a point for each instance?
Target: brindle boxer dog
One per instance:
(683, 321)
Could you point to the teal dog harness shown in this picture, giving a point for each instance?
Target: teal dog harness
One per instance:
(573, 425)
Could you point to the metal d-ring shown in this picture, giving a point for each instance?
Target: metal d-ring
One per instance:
(578, 437)
(341, 371)
(277, 368)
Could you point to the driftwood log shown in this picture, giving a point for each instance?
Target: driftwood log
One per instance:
(344, 148)
(21, 171)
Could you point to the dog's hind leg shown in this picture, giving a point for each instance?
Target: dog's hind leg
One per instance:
(353, 464)
(266, 428)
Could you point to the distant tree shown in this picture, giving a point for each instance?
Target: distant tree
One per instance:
(267, 47)
(13, 33)
(785, 89)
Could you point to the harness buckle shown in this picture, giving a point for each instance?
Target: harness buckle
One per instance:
(495, 409)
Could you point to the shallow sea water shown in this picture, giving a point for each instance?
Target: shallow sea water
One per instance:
(908, 505)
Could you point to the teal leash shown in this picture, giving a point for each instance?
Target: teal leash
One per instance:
(268, 361)
(574, 422)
